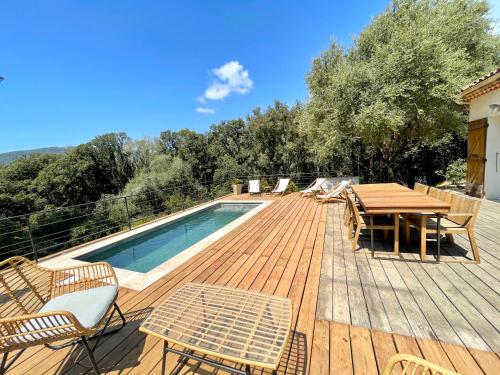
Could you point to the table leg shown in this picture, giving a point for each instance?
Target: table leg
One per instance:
(439, 237)
(423, 237)
(164, 358)
(371, 236)
(406, 226)
(396, 234)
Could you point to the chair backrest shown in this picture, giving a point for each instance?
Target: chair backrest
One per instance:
(461, 204)
(332, 182)
(340, 189)
(409, 364)
(443, 195)
(355, 215)
(317, 184)
(254, 186)
(421, 188)
(24, 287)
(282, 184)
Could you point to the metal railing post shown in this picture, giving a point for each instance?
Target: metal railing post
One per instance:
(128, 213)
(32, 240)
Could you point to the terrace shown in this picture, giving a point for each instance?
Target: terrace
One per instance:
(351, 312)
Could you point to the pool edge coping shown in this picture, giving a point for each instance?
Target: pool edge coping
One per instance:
(137, 280)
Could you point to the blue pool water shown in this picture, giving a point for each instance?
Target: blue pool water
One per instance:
(148, 250)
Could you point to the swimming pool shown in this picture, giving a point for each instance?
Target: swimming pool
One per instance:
(145, 251)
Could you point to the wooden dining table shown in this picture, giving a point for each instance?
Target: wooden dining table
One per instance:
(395, 199)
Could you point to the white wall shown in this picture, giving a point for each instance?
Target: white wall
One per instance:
(479, 108)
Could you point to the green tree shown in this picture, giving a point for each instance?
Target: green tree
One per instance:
(395, 88)
(18, 194)
(277, 147)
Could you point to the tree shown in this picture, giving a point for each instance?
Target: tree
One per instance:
(276, 145)
(109, 154)
(18, 194)
(395, 87)
(141, 153)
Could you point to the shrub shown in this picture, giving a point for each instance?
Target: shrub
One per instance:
(456, 171)
(292, 187)
(236, 181)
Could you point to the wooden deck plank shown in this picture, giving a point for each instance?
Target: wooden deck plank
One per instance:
(440, 326)
(340, 298)
(432, 351)
(320, 355)
(461, 359)
(325, 300)
(340, 350)
(383, 347)
(363, 356)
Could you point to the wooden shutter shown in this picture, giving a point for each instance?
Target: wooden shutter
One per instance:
(476, 156)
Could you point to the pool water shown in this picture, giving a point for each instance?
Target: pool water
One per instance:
(148, 250)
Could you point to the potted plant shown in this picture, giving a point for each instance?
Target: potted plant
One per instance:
(237, 186)
(264, 185)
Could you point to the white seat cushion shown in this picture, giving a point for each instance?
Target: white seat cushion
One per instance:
(88, 306)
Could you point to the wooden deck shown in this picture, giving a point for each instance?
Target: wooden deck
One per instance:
(280, 252)
(455, 301)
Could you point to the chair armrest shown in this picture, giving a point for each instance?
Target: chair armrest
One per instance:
(460, 214)
(27, 330)
(433, 214)
(87, 276)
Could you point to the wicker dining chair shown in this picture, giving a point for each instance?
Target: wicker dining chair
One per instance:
(415, 366)
(41, 306)
(421, 188)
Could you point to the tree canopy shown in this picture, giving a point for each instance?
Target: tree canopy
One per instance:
(395, 88)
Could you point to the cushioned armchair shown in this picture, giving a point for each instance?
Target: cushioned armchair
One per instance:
(41, 306)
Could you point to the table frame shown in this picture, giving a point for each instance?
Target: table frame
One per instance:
(189, 354)
(198, 294)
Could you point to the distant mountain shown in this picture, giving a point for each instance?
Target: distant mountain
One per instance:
(9, 157)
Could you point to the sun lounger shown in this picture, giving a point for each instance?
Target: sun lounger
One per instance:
(254, 187)
(315, 187)
(281, 186)
(337, 194)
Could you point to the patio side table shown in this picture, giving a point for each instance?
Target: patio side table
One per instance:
(246, 328)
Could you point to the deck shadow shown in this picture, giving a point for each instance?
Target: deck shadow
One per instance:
(130, 355)
(383, 249)
(294, 358)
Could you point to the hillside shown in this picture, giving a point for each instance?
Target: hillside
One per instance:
(8, 157)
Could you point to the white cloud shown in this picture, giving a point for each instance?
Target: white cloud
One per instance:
(205, 110)
(230, 77)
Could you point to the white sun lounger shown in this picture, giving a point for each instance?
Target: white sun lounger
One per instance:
(281, 186)
(314, 187)
(337, 194)
(254, 187)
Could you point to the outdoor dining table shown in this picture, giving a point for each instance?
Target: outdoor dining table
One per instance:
(395, 199)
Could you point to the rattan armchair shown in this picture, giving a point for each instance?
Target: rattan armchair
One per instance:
(414, 365)
(41, 306)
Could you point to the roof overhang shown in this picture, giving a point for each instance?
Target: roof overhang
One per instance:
(481, 86)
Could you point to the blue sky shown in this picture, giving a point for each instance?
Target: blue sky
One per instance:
(76, 69)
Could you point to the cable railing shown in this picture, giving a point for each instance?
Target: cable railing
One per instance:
(38, 234)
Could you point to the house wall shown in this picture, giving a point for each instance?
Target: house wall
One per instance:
(479, 108)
